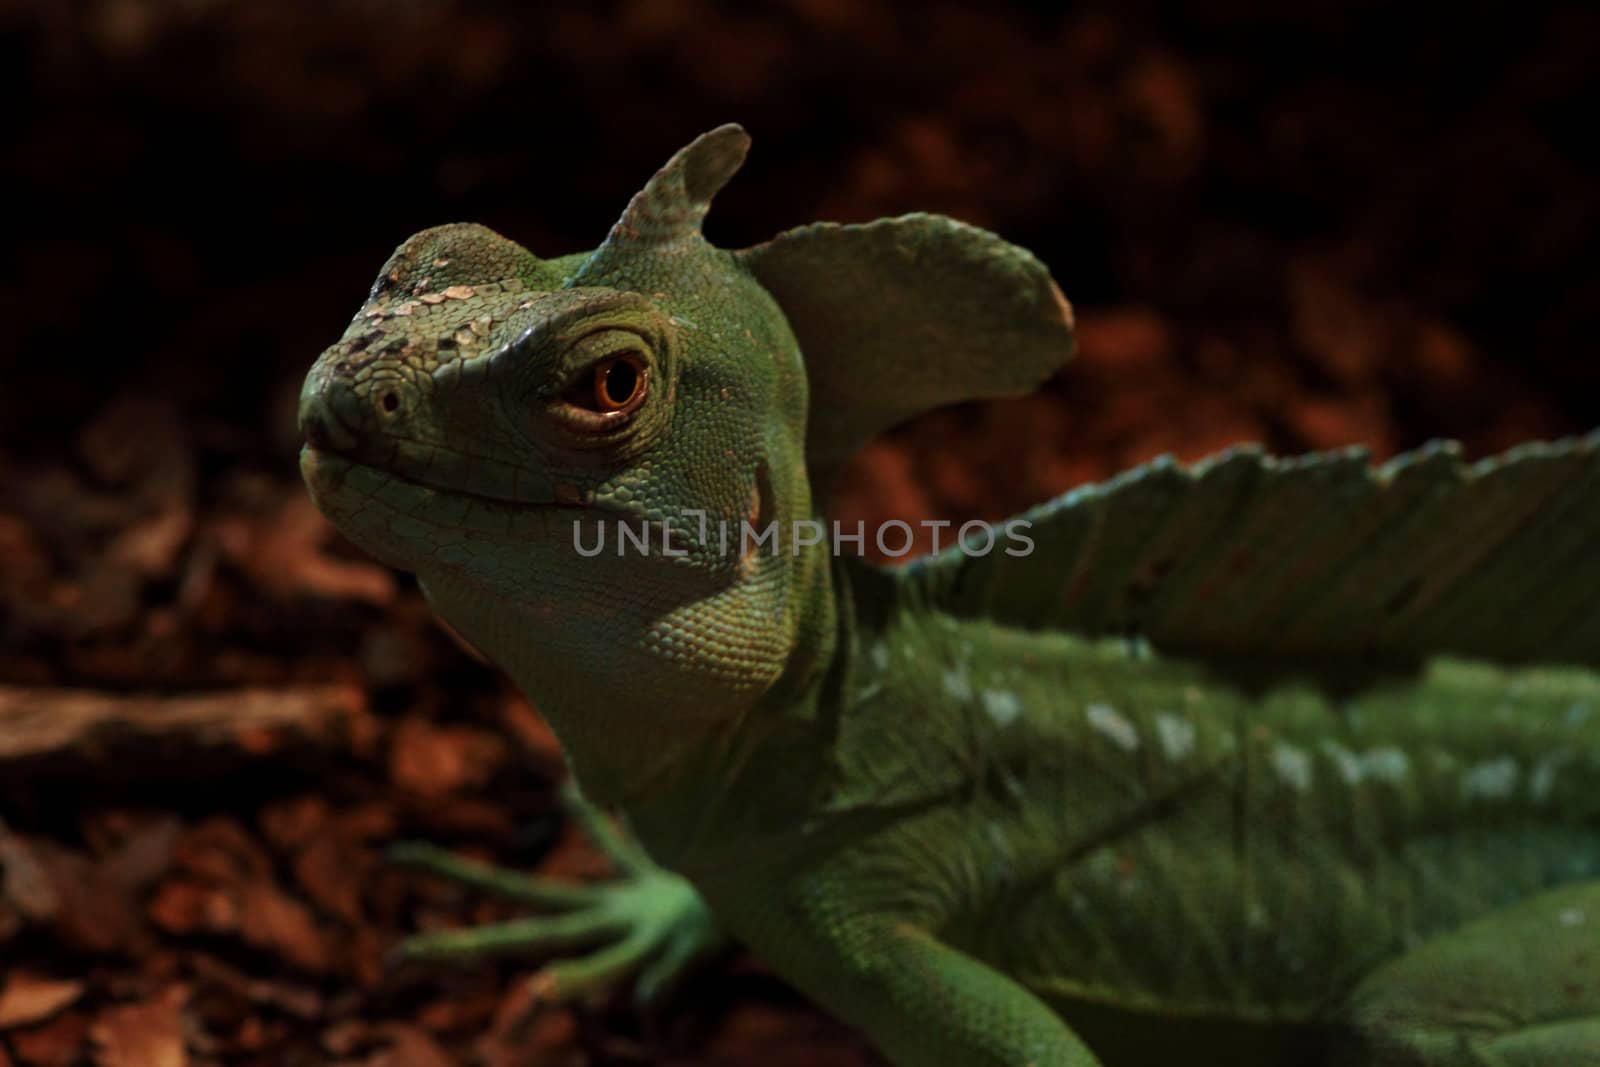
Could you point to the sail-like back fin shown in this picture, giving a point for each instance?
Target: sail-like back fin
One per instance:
(1318, 558)
(899, 316)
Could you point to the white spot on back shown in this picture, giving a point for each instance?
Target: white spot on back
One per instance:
(1571, 917)
(957, 684)
(1104, 718)
(1349, 765)
(1176, 735)
(1352, 713)
(1387, 765)
(1000, 857)
(1003, 707)
(1542, 782)
(1293, 766)
(1493, 779)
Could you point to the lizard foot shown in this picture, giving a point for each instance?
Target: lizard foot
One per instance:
(649, 923)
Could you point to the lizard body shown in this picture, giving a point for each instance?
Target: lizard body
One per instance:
(1247, 741)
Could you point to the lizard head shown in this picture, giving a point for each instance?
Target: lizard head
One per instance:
(489, 418)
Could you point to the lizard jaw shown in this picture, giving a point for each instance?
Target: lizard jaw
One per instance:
(328, 473)
(414, 526)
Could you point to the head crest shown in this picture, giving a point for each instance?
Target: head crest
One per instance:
(668, 211)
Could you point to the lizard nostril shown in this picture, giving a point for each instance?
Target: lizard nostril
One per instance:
(391, 402)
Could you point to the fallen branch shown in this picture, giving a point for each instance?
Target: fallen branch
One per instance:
(37, 722)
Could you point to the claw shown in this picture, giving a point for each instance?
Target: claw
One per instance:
(576, 979)
(517, 937)
(507, 885)
(649, 923)
(661, 977)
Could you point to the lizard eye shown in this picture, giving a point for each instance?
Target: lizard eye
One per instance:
(606, 394)
(618, 383)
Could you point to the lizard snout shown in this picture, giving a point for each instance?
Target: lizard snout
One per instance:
(326, 413)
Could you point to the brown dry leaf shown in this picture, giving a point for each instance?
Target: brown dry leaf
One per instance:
(463, 1009)
(157, 969)
(528, 728)
(466, 816)
(1131, 340)
(1160, 91)
(31, 998)
(272, 919)
(148, 1034)
(409, 1046)
(1443, 355)
(299, 1001)
(284, 557)
(96, 913)
(574, 857)
(251, 1035)
(785, 1037)
(1335, 423)
(139, 439)
(23, 880)
(57, 1043)
(367, 956)
(183, 907)
(221, 850)
(332, 872)
(1344, 331)
(347, 1037)
(520, 1034)
(25, 567)
(144, 854)
(396, 653)
(366, 822)
(150, 548)
(293, 823)
(432, 760)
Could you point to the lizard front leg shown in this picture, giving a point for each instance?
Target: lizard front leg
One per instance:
(1517, 988)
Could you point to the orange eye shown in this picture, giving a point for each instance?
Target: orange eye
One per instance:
(618, 383)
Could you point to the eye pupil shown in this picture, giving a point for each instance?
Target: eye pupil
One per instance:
(616, 383)
(614, 387)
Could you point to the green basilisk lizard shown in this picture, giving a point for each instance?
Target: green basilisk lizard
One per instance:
(1294, 746)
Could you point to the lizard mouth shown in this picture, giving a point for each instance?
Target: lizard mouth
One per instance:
(327, 472)
(410, 523)
(342, 435)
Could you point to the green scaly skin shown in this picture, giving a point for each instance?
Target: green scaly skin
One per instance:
(974, 836)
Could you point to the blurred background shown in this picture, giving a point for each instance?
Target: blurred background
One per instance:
(1311, 225)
